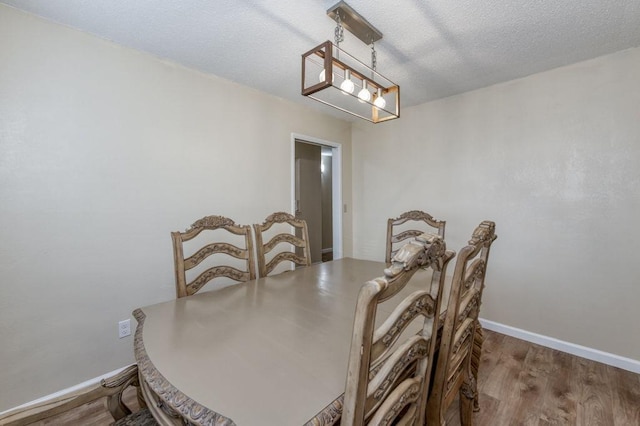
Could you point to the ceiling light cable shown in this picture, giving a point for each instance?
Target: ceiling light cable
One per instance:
(339, 31)
(374, 57)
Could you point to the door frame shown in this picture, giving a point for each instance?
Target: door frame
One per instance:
(336, 184)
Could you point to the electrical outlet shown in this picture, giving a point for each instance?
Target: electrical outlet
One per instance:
(124, 328)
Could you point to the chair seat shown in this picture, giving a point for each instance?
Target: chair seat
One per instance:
(139, 418)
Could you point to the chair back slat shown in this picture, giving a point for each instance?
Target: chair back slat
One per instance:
(283, 238)
(183, 264)
(211, 249)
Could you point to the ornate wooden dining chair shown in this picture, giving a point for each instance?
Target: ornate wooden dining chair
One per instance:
(461, 331)
(300, 240)
(183, 264)
(388, 379)
(397, 234)
(111, 389)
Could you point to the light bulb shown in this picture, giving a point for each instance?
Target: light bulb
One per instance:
(364, 95)
(322, 75)
(347, 85)
(379, 101)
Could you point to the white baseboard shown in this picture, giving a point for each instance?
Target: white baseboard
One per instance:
(67, 390)
(570, 348)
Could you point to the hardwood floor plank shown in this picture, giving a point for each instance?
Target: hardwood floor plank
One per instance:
(525, 384)
(506, 361)
(491, 352)
(626, 396)
(489, 409)
(507, 369)
(528, 390)
(559, 402)
(594, 393)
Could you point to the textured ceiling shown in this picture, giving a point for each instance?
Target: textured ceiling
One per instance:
(432, 49)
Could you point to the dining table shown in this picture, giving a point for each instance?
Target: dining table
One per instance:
(271, 351)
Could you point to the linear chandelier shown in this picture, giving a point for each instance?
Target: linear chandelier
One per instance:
(332, 76)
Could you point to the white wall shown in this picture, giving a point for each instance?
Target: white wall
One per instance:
(103, 152)
(554, 160)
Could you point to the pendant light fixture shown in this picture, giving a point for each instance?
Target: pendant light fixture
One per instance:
(332, 76)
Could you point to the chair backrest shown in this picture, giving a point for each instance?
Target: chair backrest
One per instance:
(453, 370)
(300, 240)
(396, 237)
(184, 264)
(388, 379)
(110, 388)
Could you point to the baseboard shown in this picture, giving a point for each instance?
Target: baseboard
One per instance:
(67, 390)
(570, 348)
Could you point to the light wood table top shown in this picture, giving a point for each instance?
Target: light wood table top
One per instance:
(273, 351)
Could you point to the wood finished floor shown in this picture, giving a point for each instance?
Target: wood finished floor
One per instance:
(519, 383)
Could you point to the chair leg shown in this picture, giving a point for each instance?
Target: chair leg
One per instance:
(116, 407)
(434, 415)
(468, 394)
(476, 352)
(118, 384)
(142, 403)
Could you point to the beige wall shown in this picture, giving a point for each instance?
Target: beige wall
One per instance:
(103, 152)
(554, 160)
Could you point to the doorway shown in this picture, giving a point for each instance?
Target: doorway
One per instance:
(317, 194)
